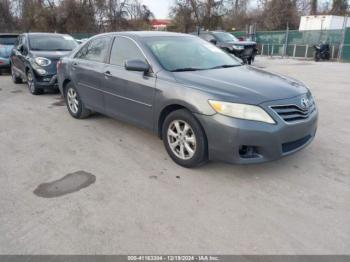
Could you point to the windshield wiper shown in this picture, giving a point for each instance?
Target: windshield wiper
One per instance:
(186, 69)
(224, 66)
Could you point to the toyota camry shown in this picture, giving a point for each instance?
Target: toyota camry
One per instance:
(201, 101)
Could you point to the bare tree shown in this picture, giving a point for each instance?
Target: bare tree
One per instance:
(314, 5)
(6, 18)
(339, 7)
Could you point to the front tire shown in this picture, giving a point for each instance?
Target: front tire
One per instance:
(317, 56)
(15, 79)
(184, 139)
(74, 104)
(32, 85)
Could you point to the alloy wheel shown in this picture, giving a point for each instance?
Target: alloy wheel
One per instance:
(30, 82)
(13, 74)
(72, 100)
(182, 140)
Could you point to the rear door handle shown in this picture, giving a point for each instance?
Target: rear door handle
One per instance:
(107, 74)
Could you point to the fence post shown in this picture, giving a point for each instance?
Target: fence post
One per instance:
(342, 42)
(306, 50)
(295, 50)
(272, 50)
(286, 42)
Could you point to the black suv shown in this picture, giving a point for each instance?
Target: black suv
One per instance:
(245, 50)
(34, 58)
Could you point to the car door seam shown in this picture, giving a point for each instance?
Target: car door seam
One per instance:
(122, 97)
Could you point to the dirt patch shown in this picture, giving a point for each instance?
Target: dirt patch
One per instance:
(60, 102)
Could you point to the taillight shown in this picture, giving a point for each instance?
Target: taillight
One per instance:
(59, 63)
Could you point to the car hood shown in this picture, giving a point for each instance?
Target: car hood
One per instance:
(5, 50)
(54, 55)
(243, 84)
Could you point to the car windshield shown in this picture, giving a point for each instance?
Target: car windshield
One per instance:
(7, 40)
(225, 37)
(52, 42)
(188, 54)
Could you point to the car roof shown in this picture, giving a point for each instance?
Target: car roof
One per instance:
(142, 34)
(9, 34)
(48, 34)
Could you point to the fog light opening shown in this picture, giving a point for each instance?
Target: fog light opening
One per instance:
(246, 151)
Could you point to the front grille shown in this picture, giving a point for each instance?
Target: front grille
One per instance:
(291, 113)
(290, 146)
(248, 51)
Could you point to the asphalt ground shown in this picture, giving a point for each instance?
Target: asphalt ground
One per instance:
(137, 201)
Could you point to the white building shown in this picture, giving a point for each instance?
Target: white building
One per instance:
(323, 22)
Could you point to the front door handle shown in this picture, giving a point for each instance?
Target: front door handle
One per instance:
(74, 65)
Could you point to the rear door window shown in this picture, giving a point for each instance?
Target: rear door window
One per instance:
(96, 50)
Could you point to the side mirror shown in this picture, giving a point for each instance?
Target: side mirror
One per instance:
(20, 48)
(137, 65)
(23, 49)
(213, 41)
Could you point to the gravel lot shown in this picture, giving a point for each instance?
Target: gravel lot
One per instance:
(141, 202)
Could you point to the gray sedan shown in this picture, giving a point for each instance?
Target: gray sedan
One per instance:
(202, 102)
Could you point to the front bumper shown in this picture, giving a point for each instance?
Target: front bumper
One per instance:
(228, 137)
(248, 52)
(47, 81)
(4, 62)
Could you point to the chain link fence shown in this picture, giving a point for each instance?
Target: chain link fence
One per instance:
(292, 43)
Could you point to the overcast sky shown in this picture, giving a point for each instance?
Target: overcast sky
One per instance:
(160, 8)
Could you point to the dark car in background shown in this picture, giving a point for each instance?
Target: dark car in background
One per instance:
(200, 100)
(34, 58)
(7, 41)
(245, 50)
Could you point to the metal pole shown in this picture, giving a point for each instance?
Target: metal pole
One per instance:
(340, 53)
(286, 41)
(332, 51)
(295, 49)
(272, 50)
(306, 50)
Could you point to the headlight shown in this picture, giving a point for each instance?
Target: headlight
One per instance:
(238, 47)
(41, 61)
(242, 111)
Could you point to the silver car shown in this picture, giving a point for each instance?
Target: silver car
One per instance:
(202, 102)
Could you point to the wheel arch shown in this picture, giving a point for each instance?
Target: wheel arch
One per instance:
(64, 85)
(169, 109)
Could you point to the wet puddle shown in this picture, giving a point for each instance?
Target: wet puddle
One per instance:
(68, 184)
(16, 91)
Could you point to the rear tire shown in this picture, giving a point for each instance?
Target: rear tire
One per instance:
(74, 103)
(184, 139)
(15, 79)
(32, 85)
